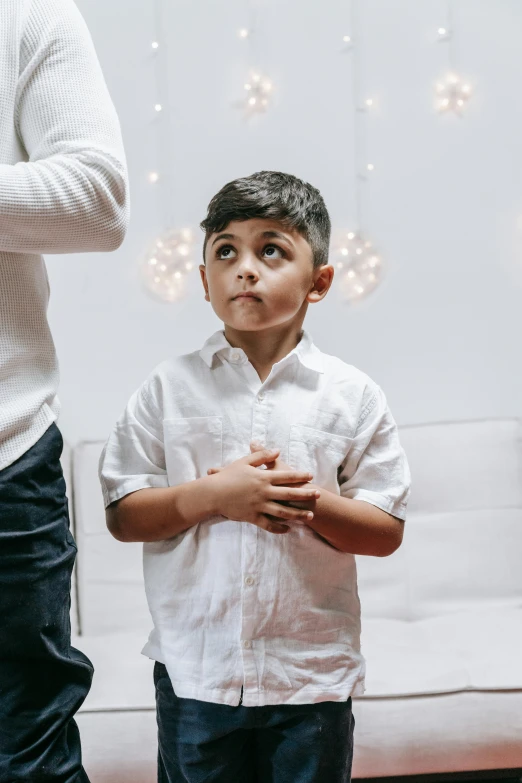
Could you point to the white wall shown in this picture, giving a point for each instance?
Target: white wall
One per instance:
(442, 333)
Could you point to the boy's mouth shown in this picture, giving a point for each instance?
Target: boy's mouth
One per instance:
(247, 295)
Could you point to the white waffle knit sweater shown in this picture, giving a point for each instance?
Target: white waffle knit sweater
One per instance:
(63, 189)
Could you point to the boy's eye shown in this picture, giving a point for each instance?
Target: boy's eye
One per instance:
(269, 249)
(225, 251)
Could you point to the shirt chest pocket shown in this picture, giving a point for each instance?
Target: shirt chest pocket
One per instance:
(319, 452)
(192, 445)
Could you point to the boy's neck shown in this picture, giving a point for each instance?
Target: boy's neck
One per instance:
(265, 348)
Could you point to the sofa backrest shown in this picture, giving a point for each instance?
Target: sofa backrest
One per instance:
(461, 547)
(463, 534)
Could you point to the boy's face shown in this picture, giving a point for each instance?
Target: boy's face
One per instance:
(273, 262)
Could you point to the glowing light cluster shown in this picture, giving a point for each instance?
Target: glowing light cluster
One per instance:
(452, 94)
(258, 93)
(166, 265)
(358, 265)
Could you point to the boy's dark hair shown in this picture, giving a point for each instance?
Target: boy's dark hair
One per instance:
(272, 194)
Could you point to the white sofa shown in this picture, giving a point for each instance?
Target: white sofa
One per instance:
(441, 618)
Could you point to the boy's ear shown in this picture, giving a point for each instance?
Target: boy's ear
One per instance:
(322, 281)
(203, 273)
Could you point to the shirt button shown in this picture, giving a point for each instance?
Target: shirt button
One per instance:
(260, 396)
(235, 356)
(247, 643)
(249, 580)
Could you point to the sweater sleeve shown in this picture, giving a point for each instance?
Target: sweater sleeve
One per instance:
(71, 195)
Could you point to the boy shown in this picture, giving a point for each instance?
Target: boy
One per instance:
(254, 470)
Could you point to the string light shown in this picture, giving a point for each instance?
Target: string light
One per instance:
(451, 92)
(359, 266)
(258, 90)
(165, 266)
(258, 87)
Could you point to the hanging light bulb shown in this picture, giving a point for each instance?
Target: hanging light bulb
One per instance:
(452, 94)
(158, 107)
(153, 177)
(259, 90)
(443, 33)
(155, 45)
(243, 33)
(360, 267)
(166, 265)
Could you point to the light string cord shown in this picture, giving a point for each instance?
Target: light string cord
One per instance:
(359, 145)
(252, 27)
(451, 36)
(165, 193)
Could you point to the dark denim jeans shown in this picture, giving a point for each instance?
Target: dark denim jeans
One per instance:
(288, 743)
(43, 680)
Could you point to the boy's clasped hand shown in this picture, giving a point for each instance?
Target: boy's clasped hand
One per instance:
(261, 497)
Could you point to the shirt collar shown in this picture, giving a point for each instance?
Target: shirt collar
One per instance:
(307, 353)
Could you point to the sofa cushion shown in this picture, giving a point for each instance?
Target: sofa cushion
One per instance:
(122, 676)
(464, 465)
(464, 560)
(478, 649)
(448, 562)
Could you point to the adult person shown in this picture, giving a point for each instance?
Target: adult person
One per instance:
(63, 189)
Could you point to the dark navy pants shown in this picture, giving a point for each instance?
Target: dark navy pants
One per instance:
(43, 680)
(216, 743)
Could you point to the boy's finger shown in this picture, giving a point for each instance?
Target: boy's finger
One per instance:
(256, 446)
(261, 456)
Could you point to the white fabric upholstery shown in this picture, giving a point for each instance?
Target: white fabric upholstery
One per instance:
(123, 677)
(110, 578)
(441, 619)
(119, 747)
(477, 649)
(462, 729)
(412, 736)
(464, 465)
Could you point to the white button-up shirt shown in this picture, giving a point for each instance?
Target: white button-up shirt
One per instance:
(238, 611)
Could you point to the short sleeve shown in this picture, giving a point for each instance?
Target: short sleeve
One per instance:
(376, 468)
(134, 456)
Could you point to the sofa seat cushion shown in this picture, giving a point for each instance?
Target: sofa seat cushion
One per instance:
(122, 676)
(475, 650)
(471, 650)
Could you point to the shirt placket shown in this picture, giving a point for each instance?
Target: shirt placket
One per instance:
(250, 573)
